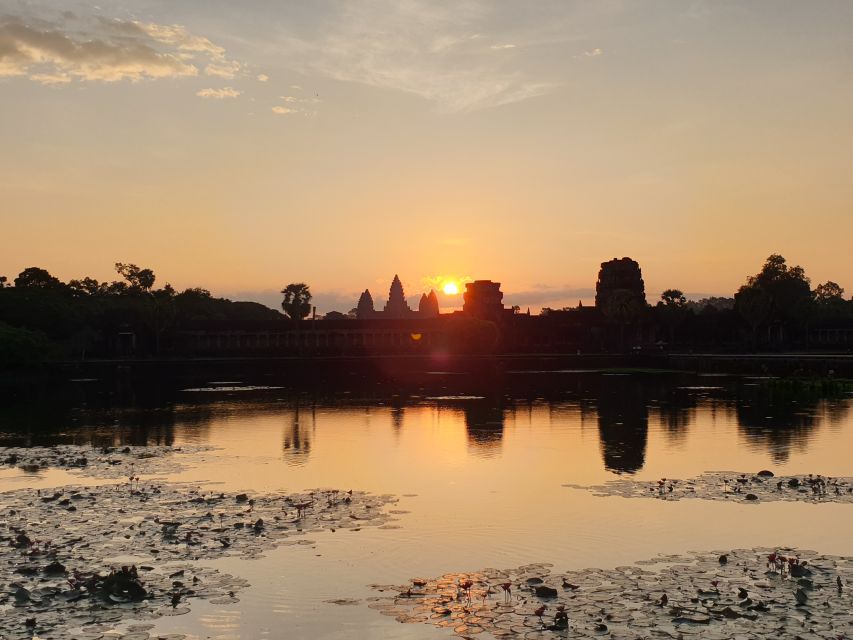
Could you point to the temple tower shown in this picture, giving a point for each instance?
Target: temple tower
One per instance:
(428, 306)
(615, 275)
(483, 299)
(397, 307)
(365, 306)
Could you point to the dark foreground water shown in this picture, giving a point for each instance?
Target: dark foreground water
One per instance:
(479, 464)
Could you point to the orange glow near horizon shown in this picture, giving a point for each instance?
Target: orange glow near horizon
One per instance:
(499, 162)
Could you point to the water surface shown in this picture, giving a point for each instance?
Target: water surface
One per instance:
(478, 465)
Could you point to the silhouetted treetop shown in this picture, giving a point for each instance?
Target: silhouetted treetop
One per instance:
(37, 278)
(138, 279)
(673, 298)
(829, 293)
(777, 292)
(297, 300)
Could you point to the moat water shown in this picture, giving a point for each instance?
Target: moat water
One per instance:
(478, 468)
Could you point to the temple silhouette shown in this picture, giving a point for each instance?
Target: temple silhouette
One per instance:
(620, 322)
(484, 325)
(397, 308)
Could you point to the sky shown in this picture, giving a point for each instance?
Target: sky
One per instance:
(243, 146)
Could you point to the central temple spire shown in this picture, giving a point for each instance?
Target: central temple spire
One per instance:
(397, 307)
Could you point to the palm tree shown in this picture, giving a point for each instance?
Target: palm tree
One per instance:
(297, 301)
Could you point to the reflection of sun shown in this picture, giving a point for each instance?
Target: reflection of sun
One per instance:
(450, 288)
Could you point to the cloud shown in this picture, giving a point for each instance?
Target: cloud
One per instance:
(225, 92)
(177, 36)
(294, 100)
(293, 107)
(262, 77)
(225, 69)
(431, 49)
(50, 78)
(102, 50)
(592, 53)
(555, 297)
(437, 282)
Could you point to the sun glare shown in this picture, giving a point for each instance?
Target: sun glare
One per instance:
(450, 288)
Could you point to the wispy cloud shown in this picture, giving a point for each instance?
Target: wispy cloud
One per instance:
(219, 94)
(296, 104)
(69, 48)
(224, 69)
(592, 53)
(437, 282)
(437, 50)
(262, 77)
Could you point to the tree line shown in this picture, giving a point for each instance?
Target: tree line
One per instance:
(775, 307)
(42, 317)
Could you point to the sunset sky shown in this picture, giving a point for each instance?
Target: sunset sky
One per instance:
(243, 146)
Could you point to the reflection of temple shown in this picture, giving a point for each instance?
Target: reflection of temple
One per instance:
(484, 424)
(397, 308)
(297, 442)
(623, 424)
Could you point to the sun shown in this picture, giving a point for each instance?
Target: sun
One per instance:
(450, 288)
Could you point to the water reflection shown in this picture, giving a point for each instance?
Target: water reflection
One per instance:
(624, 408)
(297, 436)
(779, 420)
(623, 424)
(397, 415)
(675, 412)
(484, 425)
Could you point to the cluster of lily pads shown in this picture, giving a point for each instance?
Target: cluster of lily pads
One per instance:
(103, 462)
(732, 486)
(90, 605)
(94, 556)
(719, 594)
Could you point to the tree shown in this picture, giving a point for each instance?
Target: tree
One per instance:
(37, 278)
(673, 309)
(138, 279)
(3, 282)
(88, 286)
(673, 298)
(828, 293)
(755, 305)
(829, 302)
(161, 312)
(297, 301)
(778, 294)
(196, 293)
